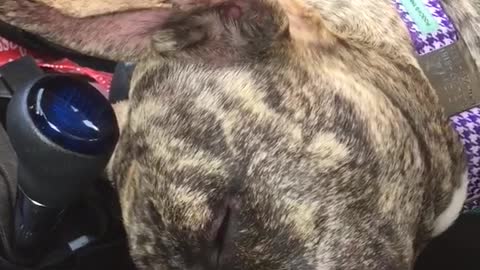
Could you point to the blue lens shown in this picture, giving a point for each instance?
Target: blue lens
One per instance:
(73, 114)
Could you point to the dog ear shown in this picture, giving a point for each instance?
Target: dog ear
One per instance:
(305, 25)
(121, 36)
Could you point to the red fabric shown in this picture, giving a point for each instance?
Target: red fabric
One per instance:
(10, 51)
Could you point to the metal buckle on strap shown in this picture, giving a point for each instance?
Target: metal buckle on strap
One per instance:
(454, 75)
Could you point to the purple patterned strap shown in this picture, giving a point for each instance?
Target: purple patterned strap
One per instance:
(429, 26)
(430, 30)
(467, 124)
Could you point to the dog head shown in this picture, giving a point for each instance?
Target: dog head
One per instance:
(269, 134)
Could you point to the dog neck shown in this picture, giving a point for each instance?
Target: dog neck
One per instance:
(447, 62)
(442, 54)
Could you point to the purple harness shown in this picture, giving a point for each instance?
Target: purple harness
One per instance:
(431, 30)
(467, 124)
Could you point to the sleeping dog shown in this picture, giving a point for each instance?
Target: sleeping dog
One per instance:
(275, 134)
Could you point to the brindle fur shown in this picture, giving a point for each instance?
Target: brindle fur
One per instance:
(307, 139)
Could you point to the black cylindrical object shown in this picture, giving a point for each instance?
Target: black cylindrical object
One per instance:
(63, 131)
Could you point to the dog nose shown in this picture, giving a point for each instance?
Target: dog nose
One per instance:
(222, 233)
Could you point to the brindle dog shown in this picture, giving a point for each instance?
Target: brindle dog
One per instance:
(264, 134)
